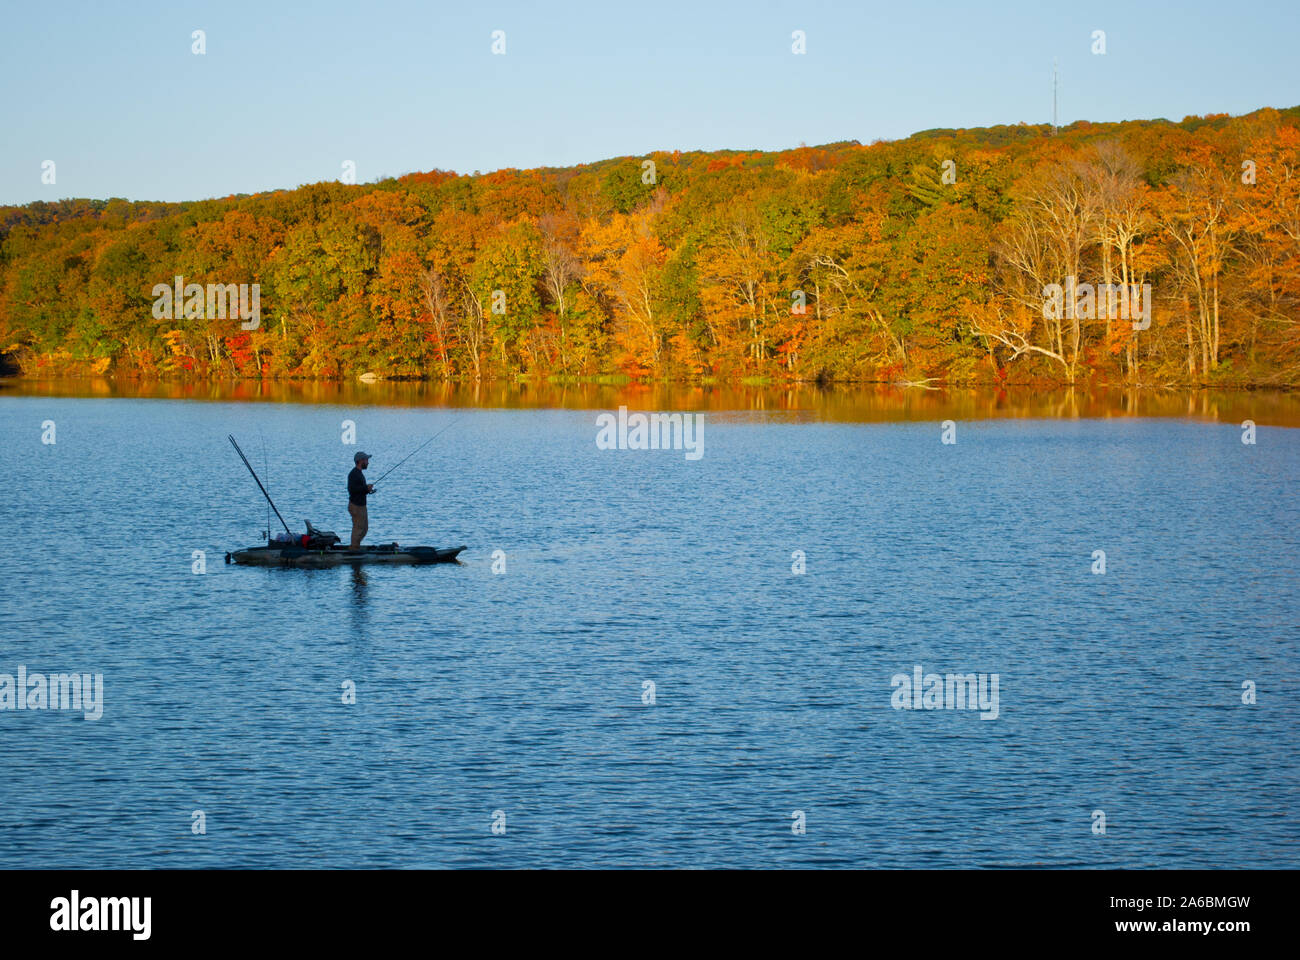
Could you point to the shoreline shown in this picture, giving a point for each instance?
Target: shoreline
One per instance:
(730, 401)
(931, 384)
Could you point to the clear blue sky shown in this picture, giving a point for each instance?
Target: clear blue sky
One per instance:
(288, 91)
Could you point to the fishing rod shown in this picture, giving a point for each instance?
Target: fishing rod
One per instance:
(266, 469)
(419, 448)
(231, 438)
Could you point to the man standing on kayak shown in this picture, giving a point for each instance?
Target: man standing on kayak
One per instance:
(357, 490)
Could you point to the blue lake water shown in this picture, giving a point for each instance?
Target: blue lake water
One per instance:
(522, 691)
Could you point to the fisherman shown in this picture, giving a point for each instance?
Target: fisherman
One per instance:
(357, 490)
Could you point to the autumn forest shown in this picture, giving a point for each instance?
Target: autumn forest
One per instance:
(924, 260)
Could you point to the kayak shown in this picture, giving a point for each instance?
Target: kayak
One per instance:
(293, 555)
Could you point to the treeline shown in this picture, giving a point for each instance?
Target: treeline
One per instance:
(917, 260)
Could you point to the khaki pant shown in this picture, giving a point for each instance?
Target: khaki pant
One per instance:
(360, 524)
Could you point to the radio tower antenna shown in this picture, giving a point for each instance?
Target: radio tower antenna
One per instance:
(1054, 84)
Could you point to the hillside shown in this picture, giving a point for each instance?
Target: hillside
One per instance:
(909, 260)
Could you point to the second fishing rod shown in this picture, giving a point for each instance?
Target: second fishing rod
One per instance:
(416, 450)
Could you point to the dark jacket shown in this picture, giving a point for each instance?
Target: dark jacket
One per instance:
(357, 487)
